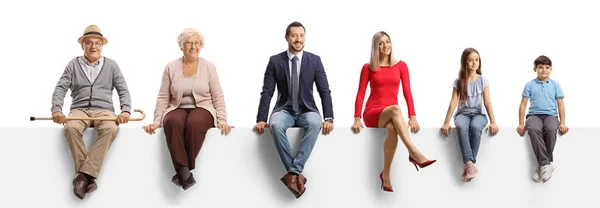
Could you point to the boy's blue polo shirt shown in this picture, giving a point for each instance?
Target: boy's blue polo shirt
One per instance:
(542, 96)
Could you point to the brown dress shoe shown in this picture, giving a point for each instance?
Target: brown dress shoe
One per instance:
(300, 183)
(79, 189)
(290, 182)
(91, 187)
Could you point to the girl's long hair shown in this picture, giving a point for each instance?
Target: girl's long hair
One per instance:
(463, 74)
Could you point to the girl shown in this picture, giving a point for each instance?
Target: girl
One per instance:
(471, 94)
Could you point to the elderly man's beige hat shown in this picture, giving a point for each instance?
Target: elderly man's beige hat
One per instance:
(92, 31)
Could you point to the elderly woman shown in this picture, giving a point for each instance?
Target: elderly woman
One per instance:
(190, 102)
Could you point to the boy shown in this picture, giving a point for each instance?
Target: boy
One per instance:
(542, 122)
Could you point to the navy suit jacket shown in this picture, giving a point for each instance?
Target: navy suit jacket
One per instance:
(278, 74)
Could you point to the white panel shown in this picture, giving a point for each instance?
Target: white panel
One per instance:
(243, 169)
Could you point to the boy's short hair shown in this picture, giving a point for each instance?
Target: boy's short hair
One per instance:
(542, 60)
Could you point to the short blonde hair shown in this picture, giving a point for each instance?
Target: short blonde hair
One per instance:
(374, 60)
(186, 34)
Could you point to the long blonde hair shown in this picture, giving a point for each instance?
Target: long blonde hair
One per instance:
(374, 61)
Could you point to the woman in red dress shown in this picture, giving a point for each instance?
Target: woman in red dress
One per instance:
(385, 75)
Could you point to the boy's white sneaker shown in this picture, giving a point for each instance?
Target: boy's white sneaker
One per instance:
(546, 172)
(536, 176)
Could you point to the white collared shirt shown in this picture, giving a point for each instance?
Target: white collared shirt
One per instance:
(91, 71)
(299, 63)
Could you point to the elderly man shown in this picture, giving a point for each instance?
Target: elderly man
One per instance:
(91, 79)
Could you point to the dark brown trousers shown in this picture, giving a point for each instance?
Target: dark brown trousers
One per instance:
(185, 130)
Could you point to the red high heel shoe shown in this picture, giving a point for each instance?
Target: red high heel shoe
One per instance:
(385, 188)
(421, 165)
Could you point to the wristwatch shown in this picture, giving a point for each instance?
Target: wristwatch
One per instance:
(330, 120)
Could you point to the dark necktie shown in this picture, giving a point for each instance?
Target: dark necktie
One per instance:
(295, 84)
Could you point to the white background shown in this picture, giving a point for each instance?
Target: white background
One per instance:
(39, 38)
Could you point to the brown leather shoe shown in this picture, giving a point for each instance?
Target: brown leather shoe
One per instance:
(290, 182)
(91, 187)
(300, 183)
(302, 179)
(79, 189)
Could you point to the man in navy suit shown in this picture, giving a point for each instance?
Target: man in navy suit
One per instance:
(294, 72)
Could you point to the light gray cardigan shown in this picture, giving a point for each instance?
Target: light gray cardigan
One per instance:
(96, 95)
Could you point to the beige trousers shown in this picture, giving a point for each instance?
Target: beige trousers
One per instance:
(90, 162)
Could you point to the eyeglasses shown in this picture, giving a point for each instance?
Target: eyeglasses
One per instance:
(188, 44)
(90, 43)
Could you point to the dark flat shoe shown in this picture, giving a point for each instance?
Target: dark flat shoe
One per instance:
(176, 181)
(189, 182)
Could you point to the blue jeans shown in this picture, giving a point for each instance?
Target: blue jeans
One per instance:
(469, 128)
(310, 122)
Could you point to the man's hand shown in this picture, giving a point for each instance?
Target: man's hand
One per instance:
(260, 127)
(225, 128)
(327, 127)
(59, 118)
(123, 118)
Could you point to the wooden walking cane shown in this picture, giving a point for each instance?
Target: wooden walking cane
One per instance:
(32, 118)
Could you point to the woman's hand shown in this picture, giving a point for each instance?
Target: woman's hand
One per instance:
(225, 128)
(357, 126)
(150, 128)
(413, 124)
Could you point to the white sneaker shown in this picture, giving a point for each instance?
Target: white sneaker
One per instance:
(546, 172)
(536, 176)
